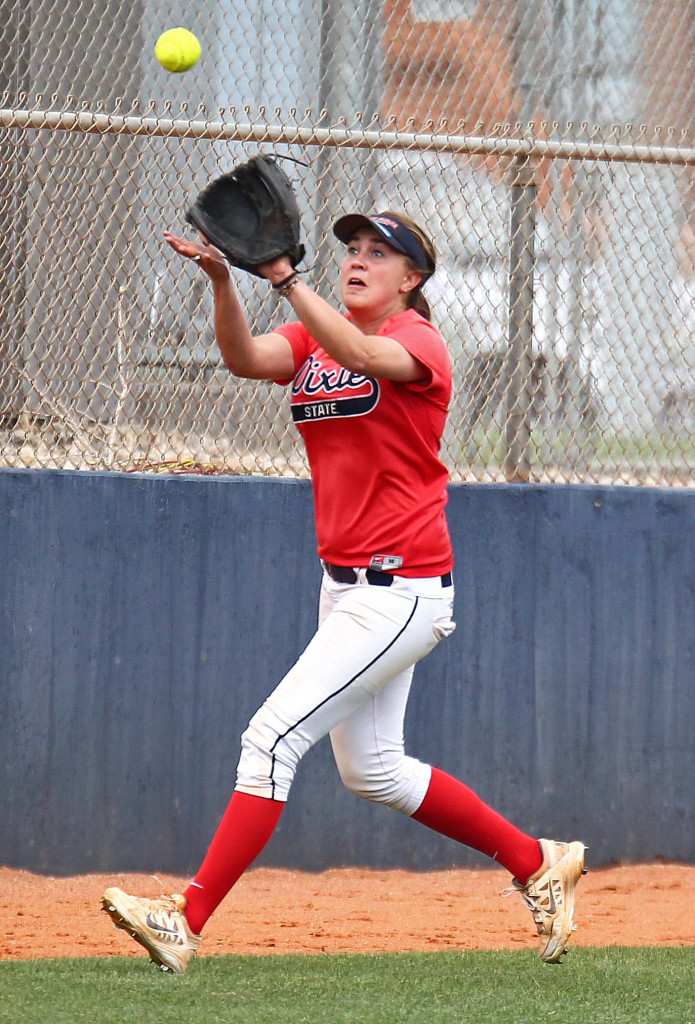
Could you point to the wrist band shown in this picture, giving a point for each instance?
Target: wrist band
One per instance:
(287, 284)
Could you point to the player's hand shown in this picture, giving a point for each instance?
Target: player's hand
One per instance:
(276, 270)
(211, 260)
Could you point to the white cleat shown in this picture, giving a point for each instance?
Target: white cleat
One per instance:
(549, 895)
(158, 925)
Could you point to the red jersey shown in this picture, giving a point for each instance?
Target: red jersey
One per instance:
(373, 448)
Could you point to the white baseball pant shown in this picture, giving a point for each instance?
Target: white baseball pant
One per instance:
(352, 681)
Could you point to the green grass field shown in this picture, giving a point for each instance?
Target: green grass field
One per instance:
(592, 986)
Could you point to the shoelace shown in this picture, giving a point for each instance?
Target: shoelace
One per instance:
(530, 899)
(164, 905)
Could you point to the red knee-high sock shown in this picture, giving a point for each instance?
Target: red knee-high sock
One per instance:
(246, 826)
(454, 810)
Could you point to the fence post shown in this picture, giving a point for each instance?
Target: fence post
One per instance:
(517, 460)
(347, 84)
(14, 82)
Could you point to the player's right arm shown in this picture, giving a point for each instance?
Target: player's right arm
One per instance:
(259, 357)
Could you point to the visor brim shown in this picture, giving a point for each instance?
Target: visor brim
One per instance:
(345, 228)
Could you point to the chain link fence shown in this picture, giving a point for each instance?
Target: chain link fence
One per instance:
(526, 136)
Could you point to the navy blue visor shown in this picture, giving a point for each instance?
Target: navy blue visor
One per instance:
(392, 231)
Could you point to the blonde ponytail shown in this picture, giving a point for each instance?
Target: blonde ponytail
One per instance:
(418, 302)
(416, 299)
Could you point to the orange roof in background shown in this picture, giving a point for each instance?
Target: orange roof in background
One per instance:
(458, 70)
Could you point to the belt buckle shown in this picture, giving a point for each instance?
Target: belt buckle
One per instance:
(385, 563)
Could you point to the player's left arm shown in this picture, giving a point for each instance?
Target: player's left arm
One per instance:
(372, 355)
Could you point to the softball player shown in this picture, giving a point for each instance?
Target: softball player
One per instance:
(369, 395)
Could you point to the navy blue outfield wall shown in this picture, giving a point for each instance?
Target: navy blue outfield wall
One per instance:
(143, 619)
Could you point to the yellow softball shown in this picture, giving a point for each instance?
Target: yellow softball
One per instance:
(177, 49)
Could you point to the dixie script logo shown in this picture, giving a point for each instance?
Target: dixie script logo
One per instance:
(320, 392)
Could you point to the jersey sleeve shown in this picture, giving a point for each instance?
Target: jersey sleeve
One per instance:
(424, 342)
(298, 337)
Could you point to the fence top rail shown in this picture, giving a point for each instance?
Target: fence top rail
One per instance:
(529, 146)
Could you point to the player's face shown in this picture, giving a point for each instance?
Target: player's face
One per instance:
(375, 278)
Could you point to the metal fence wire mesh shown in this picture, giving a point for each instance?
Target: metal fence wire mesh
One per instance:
(527, 136)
